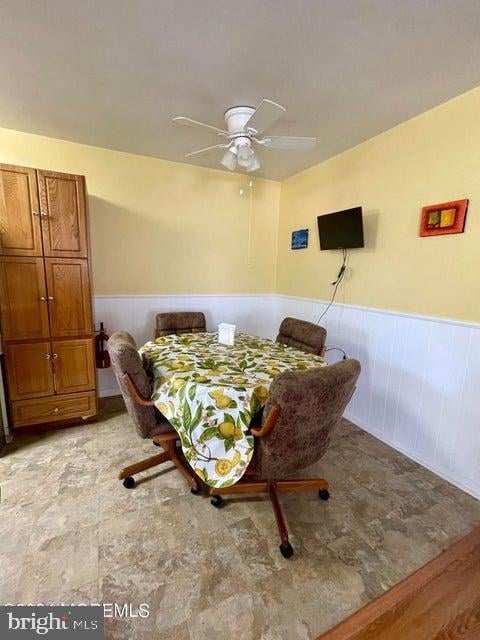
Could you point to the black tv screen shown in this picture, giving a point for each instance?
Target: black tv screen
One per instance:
(341, 230)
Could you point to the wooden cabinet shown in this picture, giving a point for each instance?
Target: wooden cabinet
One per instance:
(30, 373)
(69, 300)
(45, 296)
(73, 365)
(20, 233)
(23, 303)
(62, 201)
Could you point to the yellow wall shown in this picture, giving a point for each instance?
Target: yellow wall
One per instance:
(430, 159)
(161, 227)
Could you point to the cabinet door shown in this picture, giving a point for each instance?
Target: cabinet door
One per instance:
(68, 297)
(29, 370)
(23, 298)
(63, 214)
(74, 368)
(20, 233)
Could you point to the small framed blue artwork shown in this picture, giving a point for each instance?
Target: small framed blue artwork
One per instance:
(300, 239)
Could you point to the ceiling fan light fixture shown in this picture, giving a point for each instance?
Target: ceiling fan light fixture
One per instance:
(245, 155)
(254, 164)
(229, 160)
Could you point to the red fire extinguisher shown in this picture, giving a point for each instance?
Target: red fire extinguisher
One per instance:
(102, 357)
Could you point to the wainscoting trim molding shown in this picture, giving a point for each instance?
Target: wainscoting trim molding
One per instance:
(187, 295)
(388, 312)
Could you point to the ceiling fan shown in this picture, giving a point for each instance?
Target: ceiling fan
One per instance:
(245, 128)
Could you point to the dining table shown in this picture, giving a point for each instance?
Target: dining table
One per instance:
(210, 392)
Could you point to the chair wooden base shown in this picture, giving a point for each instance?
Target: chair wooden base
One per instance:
(273, 488)
(171, 452)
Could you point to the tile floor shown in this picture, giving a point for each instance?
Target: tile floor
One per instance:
(71, 533)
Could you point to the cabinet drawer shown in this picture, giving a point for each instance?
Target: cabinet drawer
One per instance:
(73, 405)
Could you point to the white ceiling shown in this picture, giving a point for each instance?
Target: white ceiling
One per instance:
(113, 73)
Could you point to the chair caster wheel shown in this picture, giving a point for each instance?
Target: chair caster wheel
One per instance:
(129, 482)
(286, 550)
(324, 494)
(216, 501)
(195, 491)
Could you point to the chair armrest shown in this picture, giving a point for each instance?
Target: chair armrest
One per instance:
(133, 391)
(269, 423)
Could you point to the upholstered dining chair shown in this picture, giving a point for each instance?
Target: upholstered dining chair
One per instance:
(148, 421)
(179, 322)
(303, 335)
(302, 410)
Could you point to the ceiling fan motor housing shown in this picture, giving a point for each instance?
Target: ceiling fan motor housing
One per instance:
(236, 118)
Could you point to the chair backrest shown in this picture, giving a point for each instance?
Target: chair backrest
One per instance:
(303, 335)
(179, 322)
(126, 359)
(311, 403)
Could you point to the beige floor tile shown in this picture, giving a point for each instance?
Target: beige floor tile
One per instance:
(61, 563)
(72, 533)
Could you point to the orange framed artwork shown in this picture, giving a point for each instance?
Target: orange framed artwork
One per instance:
(440, 219)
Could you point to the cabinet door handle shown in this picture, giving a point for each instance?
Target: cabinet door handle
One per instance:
(43, 299)
(56, 410)
(48, 356)
(43, 214)
(35, 213)
(54, 355)
(50, 297)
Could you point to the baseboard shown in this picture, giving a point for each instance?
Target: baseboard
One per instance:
(442, 473)
(108, 393)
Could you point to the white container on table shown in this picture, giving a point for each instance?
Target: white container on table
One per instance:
(226, 333)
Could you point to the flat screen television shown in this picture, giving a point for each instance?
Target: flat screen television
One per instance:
(341, 230)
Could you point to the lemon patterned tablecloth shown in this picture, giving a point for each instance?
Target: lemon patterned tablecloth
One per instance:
(209, 392)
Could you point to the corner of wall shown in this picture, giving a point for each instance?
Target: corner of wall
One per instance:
(277, 238)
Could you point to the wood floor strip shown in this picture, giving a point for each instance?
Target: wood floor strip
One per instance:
(439, 601)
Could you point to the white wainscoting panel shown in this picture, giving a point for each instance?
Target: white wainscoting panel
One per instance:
(136, 314)
(419, 389)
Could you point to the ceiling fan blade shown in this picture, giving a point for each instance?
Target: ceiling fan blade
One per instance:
(264, 116)
(289, 143)
(207, 151)
(188, 122)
